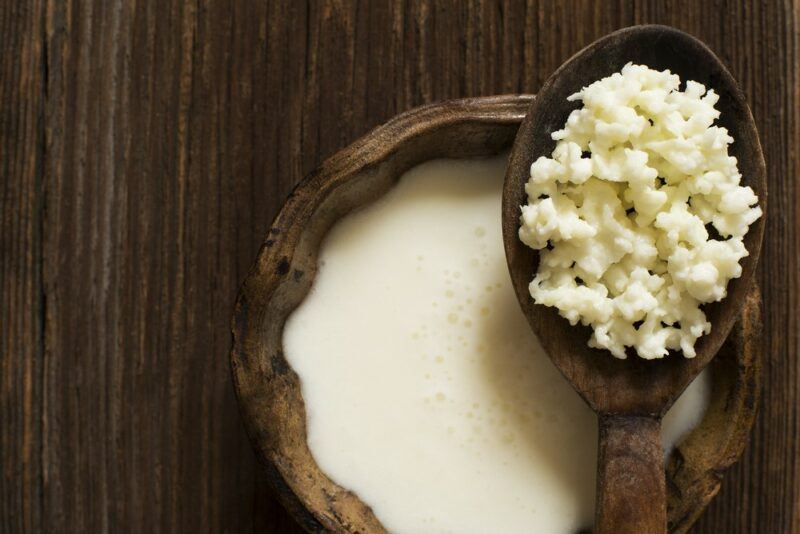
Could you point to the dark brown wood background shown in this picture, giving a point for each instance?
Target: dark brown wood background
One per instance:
(144, 149)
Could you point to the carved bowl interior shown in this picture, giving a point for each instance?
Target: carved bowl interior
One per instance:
(268, 389)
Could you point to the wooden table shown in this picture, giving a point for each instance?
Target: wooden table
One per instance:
(145, 147)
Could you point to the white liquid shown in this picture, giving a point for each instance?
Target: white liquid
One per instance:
(426, 392)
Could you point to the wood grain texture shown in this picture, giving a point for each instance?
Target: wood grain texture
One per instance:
(146, 147)
(21, 298)
(630, 460)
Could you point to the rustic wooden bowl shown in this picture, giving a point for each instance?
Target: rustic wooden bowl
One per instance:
(269, 390)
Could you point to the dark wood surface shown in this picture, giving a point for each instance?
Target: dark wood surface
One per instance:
(144, 149)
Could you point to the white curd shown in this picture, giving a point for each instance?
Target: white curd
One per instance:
(638, 177)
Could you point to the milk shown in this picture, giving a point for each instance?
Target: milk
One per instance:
(426, 392)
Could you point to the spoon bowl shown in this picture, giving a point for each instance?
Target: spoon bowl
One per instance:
(630, 396)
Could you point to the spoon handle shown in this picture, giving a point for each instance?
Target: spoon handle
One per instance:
(631, 494)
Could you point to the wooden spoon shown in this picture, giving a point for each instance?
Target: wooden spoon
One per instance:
(629, 396)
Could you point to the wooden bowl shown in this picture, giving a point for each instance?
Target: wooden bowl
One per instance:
(268, 389)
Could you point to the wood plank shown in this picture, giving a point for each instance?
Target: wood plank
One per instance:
(21, 296)
(144, 254)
